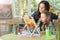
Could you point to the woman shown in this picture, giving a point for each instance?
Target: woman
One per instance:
(43, 6)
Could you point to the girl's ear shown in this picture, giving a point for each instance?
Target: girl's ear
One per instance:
(40, 19)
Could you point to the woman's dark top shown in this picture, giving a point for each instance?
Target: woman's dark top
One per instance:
(53, 16)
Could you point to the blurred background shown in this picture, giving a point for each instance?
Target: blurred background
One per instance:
(18, 8)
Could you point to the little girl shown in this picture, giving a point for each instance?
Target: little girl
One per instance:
(45, 22)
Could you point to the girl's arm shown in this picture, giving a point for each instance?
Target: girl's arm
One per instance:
(34, 30)
(36, 26)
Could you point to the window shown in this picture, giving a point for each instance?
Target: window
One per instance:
(23, 7)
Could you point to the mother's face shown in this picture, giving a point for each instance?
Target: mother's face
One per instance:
(42, 8)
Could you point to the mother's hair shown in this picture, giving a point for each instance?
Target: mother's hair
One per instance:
(47, 7)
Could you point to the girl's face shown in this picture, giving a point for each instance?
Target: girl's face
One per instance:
(42, 8)
(44, 18)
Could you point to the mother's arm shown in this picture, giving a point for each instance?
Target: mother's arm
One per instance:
(35, 18)
(54, 18)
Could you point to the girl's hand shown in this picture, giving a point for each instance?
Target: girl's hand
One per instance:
(42, 32)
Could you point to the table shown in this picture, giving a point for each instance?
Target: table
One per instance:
(17, 37)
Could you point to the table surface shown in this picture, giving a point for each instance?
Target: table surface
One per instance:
(17, 37)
